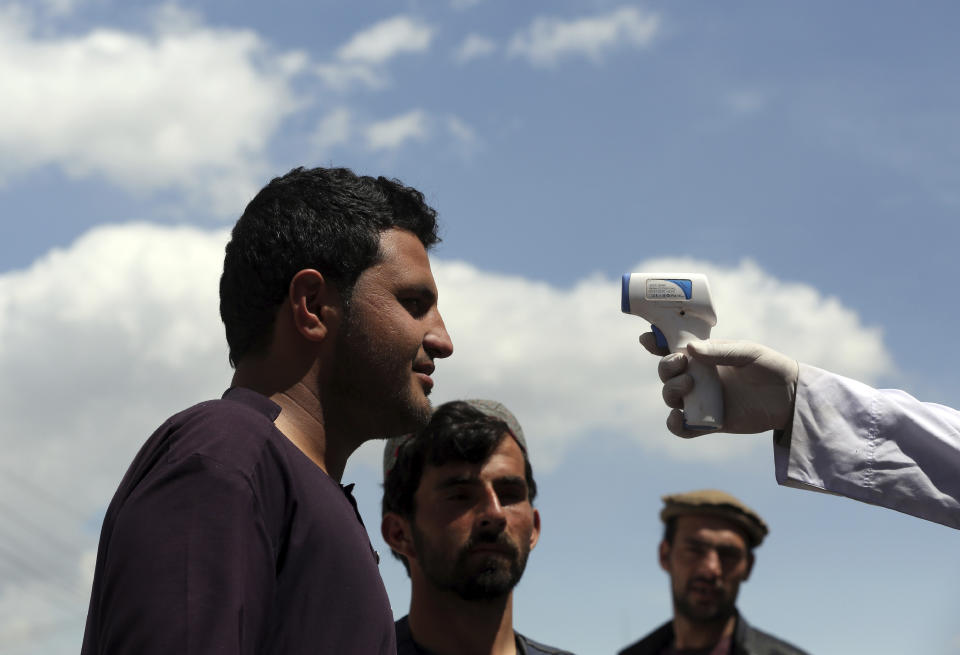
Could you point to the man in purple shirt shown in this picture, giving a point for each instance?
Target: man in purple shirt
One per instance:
(230, 532)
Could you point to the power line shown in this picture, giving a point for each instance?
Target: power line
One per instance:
(45, 535)
(39, 492)
(27, 634)
(64, 592)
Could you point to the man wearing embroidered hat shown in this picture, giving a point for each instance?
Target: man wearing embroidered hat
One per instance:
(707, 550)
(458, 512)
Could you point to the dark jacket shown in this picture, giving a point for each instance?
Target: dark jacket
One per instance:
(746, 641)
(407, 646)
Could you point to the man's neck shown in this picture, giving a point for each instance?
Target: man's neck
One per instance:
(301, 418)
(690, 634)
(445, 624)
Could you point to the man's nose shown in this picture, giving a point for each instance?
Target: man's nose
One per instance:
(437, 341)
(490, 512)
(711, 563)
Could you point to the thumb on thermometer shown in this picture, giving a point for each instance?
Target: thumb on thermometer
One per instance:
(722, 352)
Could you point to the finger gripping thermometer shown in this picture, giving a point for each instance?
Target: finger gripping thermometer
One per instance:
(679, 309)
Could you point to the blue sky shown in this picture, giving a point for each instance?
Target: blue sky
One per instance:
(805, 156)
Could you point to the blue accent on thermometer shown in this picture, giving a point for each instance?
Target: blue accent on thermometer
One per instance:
(661, 340)
(699, 428)
(625, 294)
(687, 287)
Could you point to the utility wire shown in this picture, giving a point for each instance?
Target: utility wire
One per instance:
(42, 534)
(40, 492)
(9, 639)
(67, 595)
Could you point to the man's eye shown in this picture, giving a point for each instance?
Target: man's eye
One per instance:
(412, 305)
(730, 555)
(512, 497)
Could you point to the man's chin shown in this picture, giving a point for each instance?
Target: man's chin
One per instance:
(491, 577)
(411, 417)
(712, 614)
(418, 416)
(704, 610)
(488, 587)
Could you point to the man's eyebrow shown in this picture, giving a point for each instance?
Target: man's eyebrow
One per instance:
(422, 290)
(456, 481)
(721, 547)
(462, 479)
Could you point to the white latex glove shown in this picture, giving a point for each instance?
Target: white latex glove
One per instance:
(759, 384)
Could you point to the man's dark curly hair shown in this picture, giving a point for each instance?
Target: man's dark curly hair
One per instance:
(457, 432)
(328, 219)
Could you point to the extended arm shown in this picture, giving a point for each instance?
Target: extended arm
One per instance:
(833, 434)
(882, 447)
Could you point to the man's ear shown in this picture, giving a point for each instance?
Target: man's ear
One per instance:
(535, 534)
(315, 303)
(664, 555)
(396, 532)
(750, 561)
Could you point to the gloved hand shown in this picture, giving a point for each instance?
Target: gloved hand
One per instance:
(759, 384)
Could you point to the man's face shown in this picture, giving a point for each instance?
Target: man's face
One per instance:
(391, 334)
(707, 562)
(474, 525)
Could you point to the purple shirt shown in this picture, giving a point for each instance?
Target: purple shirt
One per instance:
(223, 537)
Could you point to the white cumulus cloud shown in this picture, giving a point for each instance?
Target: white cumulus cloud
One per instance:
(342, 128)
(386, 39)
(568, 362)
(187, 107)
(124, 324)
(362, 59)
(475, 46)
(549, 39)
(342, 75)
(464, 135)
(101, 341)
(392, 133)
(334, 129)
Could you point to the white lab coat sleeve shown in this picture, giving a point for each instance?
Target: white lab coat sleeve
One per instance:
(882, 447)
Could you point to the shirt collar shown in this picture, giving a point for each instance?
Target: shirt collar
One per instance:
(254, 400)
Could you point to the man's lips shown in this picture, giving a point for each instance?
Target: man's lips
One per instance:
(500, 548)
(492, 549)
(501, 545)
(704, 589)
(423, 371)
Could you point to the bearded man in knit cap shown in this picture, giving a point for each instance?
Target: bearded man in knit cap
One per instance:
(458, 512)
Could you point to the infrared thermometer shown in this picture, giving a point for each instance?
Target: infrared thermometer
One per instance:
(679, 309)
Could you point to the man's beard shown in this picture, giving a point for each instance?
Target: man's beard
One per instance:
(377, 385)
(723, 608)
(488, 576)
